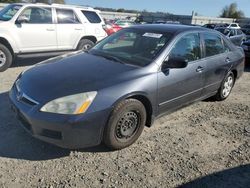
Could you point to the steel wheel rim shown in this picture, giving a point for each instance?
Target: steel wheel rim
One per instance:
(127, 126)
(2, 58)
(227, 87)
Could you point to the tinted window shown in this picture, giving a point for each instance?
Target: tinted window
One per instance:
(92, 16)
(36, 15)
(9, 11)
(234, 25)
(213, 45)
(188, 48)
(66, 16)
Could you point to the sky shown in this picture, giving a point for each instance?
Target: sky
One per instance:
(185, 7)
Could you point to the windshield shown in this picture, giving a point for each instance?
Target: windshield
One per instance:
(9, 11)
(132, 46)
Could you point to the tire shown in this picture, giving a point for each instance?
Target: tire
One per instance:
(5, 58)
(226, 87)
(125, 124)
(85, 44)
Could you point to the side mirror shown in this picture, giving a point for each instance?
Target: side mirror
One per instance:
(22, 19)
(174, 63)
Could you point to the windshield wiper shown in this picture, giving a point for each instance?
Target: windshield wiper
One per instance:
(112, 58)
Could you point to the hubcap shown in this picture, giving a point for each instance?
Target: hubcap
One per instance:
(228, 84)
(2, 58)
(86, 47)
(127, 126)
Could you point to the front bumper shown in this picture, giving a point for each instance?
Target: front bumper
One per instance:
(67, 131)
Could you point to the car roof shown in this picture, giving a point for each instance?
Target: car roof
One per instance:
(56, 6)
(170, 28)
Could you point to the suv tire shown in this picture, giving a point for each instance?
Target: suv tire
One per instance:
(125, 124)
(85, 44)
(5, 58)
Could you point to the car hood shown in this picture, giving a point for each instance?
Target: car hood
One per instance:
(72, 74)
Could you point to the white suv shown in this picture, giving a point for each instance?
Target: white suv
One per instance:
(40, 29)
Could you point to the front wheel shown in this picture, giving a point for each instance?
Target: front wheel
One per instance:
(125, 125)
(85, 45)
(226, 87)
(5, 58)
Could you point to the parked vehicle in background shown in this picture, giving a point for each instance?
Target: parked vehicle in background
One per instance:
(246, 30)
(233, 26)
(123, 83)
(235, 35)
(124, 23)
(111, 28)
(246, 47)
(215, 25)
(39, 29)
(166, 22)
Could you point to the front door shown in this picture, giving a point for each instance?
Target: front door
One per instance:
(177, 87)
(38, 33)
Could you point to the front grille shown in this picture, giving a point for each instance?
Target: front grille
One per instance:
(23, 97)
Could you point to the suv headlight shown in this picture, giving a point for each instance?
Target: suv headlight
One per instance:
(72, 104)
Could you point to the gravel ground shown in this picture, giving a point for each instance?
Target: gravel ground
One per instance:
(204, 145)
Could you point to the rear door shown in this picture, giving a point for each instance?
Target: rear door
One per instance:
(218, 57)
(177, 87)
(69, 29)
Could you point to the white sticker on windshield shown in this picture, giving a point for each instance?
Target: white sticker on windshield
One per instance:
(153, 35)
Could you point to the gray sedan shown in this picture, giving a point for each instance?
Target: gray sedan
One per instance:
(124, 83)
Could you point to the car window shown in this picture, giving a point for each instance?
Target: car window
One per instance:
(234, 25)
(188, 48)
(9, 11)
(37, 15)
(213, 44)
(133, 46)
(92, 16)
(66, 16)
(125, 40)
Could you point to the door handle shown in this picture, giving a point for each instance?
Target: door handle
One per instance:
(199, 69)
(227, 60)
(48, 29)
(78, 29)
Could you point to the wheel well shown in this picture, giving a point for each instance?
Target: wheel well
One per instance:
(7, 44)
(235, 74)
(92, 38)
(148, 106)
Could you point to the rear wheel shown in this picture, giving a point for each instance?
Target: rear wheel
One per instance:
(226, 87)
(125, 124)
(85, 44)
(5, 58)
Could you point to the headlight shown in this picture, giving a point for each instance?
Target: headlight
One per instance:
(72, 104)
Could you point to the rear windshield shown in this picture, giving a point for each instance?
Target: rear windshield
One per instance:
(9, 11)
(92, 16)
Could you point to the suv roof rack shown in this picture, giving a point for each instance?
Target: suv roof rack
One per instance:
(75, 6)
